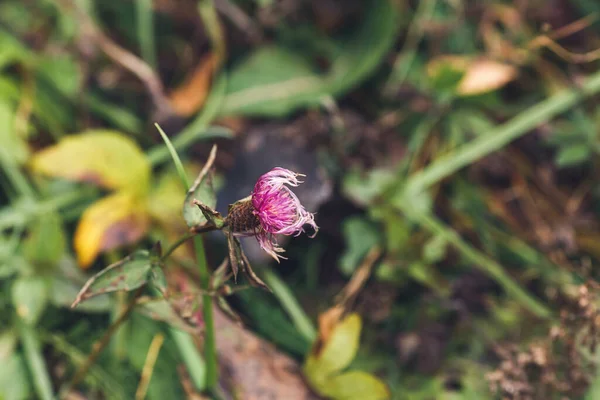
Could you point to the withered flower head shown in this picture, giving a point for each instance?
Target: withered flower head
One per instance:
(272, 209)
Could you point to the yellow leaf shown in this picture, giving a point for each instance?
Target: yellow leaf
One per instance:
(103, 157)
(111, 222)
(356, 385)
(336, 352)
(483, 75)
(474, 75)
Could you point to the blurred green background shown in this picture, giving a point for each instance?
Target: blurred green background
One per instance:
(451, 154)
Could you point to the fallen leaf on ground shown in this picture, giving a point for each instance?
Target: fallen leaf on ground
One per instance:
(485, 75)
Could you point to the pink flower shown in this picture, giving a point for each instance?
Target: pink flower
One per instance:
(278, 209)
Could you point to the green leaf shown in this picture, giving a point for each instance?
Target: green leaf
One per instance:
(12, 147)
(573, 154)
(275, 81)
(46, 242)
(63, 292)
(203, 191)
(336, 353)
(13, 264)
(29, 297)
(12, 51)
(356, 385)
(158, 279)
(360, 236)
(165, 380)
(366, 49)
(63, 72)
(594, 390)
(165, 199)
(272, 81)
(435, 249)
(364, 187)
(128, 274)
(14, 384)
(8, 341)
(106, 158)
(162, 310)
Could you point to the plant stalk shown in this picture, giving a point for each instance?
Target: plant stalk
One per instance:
(210, 349)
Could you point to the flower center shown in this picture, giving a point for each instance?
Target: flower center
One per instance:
(242, 218)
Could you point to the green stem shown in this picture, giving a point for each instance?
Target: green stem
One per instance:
(481, 261)
(503, 134)
(145, 31)
(291, 306)
(35, 361)
(16, 177)
(176, 244)
(210, 349)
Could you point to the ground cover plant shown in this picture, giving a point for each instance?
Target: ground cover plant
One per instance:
(299, 199)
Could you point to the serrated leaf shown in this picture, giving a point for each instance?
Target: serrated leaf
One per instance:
(336, 352)
(109, 223)
(102, 157)
(356, 385)
(30, 296)
(128, 274)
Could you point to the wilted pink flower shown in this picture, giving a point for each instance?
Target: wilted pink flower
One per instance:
(274, 209)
